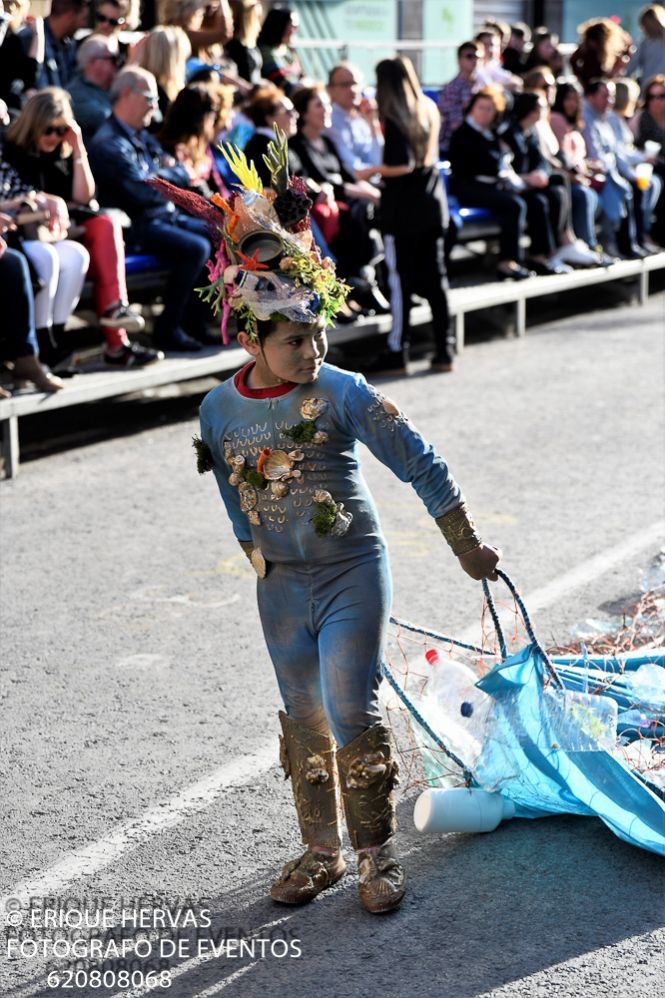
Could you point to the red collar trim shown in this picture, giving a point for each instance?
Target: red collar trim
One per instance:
(240, 381)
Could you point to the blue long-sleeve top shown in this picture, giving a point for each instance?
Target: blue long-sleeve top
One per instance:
(344, 409)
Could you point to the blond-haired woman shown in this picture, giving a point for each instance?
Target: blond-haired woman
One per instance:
(208, 25)
(414, 210)
(649, 57)
(45, 147)
(164, 53)
(242, 48)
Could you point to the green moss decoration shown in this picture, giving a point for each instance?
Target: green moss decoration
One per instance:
(255, 478)
(324, 517)
(204, 461)
(301, 433)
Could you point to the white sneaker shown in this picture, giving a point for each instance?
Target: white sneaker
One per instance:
(578, 254)
(123, 317)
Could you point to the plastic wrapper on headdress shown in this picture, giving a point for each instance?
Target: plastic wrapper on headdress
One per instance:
(265, 263)
(563, 735)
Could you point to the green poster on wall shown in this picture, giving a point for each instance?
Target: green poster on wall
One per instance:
(448, 21)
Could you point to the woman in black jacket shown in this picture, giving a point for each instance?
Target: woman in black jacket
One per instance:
(482, 178)
(546, 195)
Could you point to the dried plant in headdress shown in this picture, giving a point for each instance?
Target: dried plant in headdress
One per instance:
(265, 263)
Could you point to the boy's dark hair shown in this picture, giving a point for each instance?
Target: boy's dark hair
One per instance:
(264, 327)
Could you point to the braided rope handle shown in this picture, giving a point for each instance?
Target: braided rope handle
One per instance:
(527, 624)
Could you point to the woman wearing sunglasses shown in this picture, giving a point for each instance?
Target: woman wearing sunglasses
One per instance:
(44, 146)
(651, 128)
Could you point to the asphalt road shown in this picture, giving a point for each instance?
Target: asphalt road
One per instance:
(133, 668)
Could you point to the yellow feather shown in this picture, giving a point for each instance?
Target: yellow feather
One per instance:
(244, 171)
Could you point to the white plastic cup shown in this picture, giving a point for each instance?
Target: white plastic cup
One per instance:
(651, 148)
(643, 175)
(461, 810)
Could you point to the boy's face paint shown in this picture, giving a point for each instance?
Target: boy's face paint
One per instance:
(293, 352)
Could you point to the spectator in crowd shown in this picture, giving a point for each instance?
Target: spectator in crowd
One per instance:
(45, 146)
(500, 28)
(618, 223)
(191, 125)
(490, 71)
(647, 185)
(112, 17)
(648, 58)
(544, 52)
(281, 64)
(97, 60)
(603, 50)
(514, 55)
(482, 178)
(567, 123)
(651, 125)
(317, 158)
(208, 25)
(65, 19)
(164, 53)
(124, 156)
(414, 211)
(455, 95)
(577, 251)
(21, 53)
(545, 192)
(243, 48)
(19, 339)
(267, 107)
(58, 264)
(651, 128)
(355, 129)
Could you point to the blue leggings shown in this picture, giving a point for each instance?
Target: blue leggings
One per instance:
(325, 628)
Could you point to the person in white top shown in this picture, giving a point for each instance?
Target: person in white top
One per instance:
(490, 71)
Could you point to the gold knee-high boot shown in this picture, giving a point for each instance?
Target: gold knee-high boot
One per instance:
(368, 775)
(307, 756)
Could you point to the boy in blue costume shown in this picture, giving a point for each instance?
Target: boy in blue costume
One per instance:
(281, 437)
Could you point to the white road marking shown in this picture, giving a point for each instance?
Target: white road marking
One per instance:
(198, 961)
(107, 850)
(131, 834)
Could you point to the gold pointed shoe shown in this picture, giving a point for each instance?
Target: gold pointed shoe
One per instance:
(382, 880)
(303, 878)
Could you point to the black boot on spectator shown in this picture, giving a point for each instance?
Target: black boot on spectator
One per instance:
(391, 363)
(177, 341)
(53, 353)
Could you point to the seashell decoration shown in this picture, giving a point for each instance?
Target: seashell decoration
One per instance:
(295, 473)
(320, 437)
(296, 455)
(342, 522)
(248, 496)
(254, 517)
(322, 496)
(233, 479)
(279, 489)
(390, 407)
(277, 465)
(311, 409)
(238, 462)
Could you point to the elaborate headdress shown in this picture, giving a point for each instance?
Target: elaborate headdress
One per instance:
(265, 263)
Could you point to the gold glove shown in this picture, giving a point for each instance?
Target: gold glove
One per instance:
(459, 530)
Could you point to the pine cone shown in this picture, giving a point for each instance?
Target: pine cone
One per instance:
(291, 208)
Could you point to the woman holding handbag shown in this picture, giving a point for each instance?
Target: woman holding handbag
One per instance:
(45, 147)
